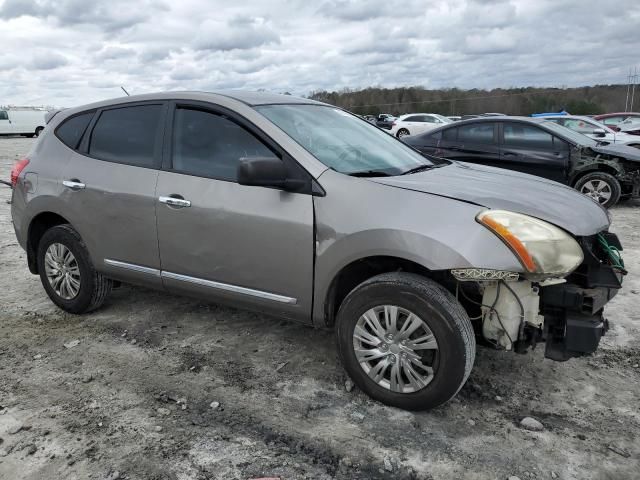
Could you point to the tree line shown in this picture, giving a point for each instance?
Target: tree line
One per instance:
(453, 101)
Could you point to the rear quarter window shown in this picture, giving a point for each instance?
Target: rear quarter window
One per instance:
(71, 130)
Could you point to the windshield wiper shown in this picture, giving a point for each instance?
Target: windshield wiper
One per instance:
(419, 168)
(369, 173)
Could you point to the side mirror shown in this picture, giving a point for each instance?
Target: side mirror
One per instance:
(599, 132)
(266, 172)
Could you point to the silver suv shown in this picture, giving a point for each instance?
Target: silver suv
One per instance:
(301, 210)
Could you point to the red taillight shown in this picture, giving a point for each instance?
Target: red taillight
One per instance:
(17, 170)
(393, 124)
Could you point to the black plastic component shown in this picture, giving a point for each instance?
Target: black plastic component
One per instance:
(580, 335)
(588, 301)
(267, 172)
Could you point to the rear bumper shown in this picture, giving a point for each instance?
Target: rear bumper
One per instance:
(573, 312)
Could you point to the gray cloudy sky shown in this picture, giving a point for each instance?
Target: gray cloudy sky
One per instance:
(68, 52)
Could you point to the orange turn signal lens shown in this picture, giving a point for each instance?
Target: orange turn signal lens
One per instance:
(511, 241)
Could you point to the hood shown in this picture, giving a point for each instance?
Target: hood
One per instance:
(501, 189)
(624, 151)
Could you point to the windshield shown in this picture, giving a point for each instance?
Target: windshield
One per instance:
(343, 141)
(569, 134)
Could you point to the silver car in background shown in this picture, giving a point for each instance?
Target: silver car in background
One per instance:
(302, 210)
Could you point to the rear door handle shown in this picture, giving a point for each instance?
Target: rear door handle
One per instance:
(174, 201)
(74, 184)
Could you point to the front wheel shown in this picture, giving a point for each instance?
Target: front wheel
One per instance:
(602, 187)
(66, 271)
(403, 132)
(405, 341)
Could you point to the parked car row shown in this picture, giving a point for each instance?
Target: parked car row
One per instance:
(383, 120)
(605, 172)
(416, 123)
(594, 129)
(617, 121)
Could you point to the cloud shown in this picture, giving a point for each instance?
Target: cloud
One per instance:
(48, 61)
(77, 51)
(239, 33)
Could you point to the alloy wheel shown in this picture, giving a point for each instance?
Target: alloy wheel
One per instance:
(599, 190)
(395, 348)
(62, 270)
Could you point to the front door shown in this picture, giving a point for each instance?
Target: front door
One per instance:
(218, 239)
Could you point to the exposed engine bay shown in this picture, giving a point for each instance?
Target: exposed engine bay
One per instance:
(567, 314)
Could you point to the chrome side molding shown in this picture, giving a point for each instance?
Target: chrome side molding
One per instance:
(132, 266)
(274, 297)
(230, 288)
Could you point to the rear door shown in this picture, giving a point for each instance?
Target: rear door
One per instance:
(110, 189)
(5, 123)
(246, 245)
(530, 149)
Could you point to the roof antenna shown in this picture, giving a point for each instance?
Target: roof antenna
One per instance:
(125, 91)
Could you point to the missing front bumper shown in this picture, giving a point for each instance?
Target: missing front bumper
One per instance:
(574, 311)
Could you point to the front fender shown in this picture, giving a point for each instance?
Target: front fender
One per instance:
(358, 219)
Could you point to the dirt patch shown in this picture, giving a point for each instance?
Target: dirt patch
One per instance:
(133, 398)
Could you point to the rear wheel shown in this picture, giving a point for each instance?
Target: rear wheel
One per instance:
(66, 271)
(602, 187)
(405, 341)
(38, 132)
(403, 132)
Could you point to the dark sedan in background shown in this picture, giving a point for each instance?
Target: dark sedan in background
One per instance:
(604, 172)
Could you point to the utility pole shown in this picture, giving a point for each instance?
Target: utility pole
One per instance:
(626, 100)
(633, 87)
(632, 81)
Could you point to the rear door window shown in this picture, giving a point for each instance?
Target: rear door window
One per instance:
(128, 135)
(4, 115)
(71, 130)
(476, 133)
(206, 144)
(519, 135)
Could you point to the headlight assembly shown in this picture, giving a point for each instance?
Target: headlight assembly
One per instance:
(543, 249)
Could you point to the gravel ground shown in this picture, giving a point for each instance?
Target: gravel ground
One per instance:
(131, 394)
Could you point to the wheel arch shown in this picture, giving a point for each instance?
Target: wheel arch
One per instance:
(598, 167)
(362, 269)
(37, 227)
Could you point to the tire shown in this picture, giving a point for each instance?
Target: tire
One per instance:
(602, 187)
(403, 132)
(37, 132)
(444, 317)
(93, 287)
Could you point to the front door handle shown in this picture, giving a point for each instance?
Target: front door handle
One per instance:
(175, 202)
(74, 184)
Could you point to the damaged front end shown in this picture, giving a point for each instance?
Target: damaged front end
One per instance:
(513, 312)
(621, 161)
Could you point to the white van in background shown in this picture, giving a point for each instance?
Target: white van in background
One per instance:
(22, 121)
